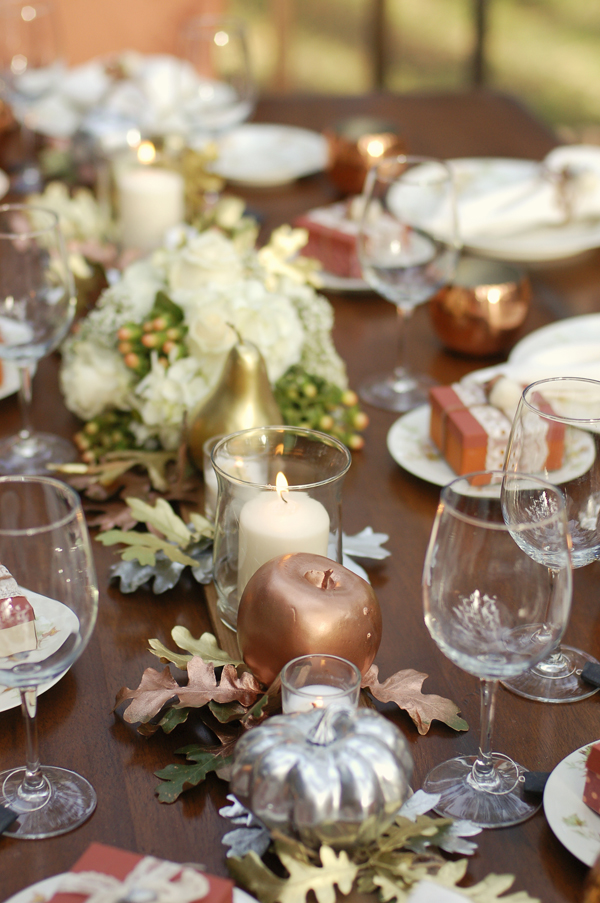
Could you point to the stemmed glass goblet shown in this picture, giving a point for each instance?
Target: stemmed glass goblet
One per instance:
(493, 610)
(408, 249)
(223, 94)
(37, 306)
(44, 544)
(556, 435)
(30, 65)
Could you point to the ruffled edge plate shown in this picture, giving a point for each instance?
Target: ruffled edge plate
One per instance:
(572, 822)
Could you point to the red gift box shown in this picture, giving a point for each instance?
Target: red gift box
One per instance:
(591, 791)
(119, 863)
(332, 239)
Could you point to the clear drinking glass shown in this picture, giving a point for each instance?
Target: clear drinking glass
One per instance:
(556, 435)
(408, 249)
(37, 306)
(279, 491)
(497, 588)
(44, 544)
(223, 94)
(30, 66)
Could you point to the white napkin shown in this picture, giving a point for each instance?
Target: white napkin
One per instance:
(565, 187)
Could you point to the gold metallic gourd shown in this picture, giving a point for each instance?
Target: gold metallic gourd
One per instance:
(327, 776)
(241, 399)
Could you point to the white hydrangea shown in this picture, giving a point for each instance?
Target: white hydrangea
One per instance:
(165, 395)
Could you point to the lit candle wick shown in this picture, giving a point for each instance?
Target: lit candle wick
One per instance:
(281, 485)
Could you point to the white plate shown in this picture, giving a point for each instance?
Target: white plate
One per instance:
(332, 283)
(571, 331)
(409, 445)
(4, 183)
(54, 623)
(262, 155)
(480, 174)
(42, 891)
(574, 823)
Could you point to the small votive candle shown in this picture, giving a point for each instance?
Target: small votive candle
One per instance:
(318, 681)
(151, 200)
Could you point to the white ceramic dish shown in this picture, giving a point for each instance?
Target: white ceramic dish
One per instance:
(54, 623)
(583, 331)
(261, 154)
(572, 822)
(333, 283)
(409, 445)
(476, 175)
(4, 183)
(42, 891)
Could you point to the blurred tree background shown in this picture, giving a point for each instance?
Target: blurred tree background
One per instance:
(547, 52)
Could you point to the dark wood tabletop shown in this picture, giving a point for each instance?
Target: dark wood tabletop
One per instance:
(78, 728)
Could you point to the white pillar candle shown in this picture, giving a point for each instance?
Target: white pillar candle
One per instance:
(279, 523)
(315, 696)
(151, 201)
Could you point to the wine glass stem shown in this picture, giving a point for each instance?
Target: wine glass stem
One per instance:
(25, 396)
(404, 315)
(483, 774)
(33, 785)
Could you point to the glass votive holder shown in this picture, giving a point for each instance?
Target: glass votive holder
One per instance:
(279, 491)
(211, 486)
(318, 681)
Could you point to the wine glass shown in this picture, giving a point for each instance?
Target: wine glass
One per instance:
(30, 66)
(222, 94)
(556, 435)
(37, 305)
(45, 545)
(493, 610)
(408, 249)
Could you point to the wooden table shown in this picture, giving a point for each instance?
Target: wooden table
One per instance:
(77, 726)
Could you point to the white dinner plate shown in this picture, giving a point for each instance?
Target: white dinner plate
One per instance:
(4, 183)
(476, 175)
(262, 154)
(583, 330)
(332, 283)
(575, 824)
(42, 891)
(410, 446)
(54, 623)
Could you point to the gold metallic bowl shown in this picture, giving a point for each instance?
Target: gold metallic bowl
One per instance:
(482, 312)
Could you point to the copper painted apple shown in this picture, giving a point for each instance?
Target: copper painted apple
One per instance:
(301, 603)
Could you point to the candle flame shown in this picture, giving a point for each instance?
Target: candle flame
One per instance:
(281, 485)
(318, 703)
(146, 152)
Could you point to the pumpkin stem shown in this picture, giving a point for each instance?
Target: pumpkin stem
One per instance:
(324, 732)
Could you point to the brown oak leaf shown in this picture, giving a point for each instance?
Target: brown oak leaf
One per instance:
(404, 688)
(155, 689)
(158, 687)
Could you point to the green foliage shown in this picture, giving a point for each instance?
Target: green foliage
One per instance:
(177, 778)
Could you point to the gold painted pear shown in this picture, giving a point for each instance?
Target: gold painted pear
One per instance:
(241, 399)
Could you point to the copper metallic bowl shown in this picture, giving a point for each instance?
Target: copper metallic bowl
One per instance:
(355, 145)
(482, 312)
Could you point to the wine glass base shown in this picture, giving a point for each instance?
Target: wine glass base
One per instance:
(69, 803)
(33, 454)
(399, 391)
(506, 804)
(565, 686)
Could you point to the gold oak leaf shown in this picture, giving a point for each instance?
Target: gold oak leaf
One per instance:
(252, 873)
(144, 546)
(206, 647)
(337, 870)
(404, 688)
(162, 517)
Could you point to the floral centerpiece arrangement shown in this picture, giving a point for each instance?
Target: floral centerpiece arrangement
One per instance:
(153, 347)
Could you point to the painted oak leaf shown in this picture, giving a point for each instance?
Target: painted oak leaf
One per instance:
(404, 688)
(202, 685)
(206, 647)
(337, 870)
(155, 690)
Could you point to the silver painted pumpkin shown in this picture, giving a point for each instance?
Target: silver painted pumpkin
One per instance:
(329, 776)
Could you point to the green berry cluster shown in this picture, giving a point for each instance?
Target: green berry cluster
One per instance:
(312, 402)
(163, 332)
(105, 433)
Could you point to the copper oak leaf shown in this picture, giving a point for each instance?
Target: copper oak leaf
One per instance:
(158, 687)
(404, 688)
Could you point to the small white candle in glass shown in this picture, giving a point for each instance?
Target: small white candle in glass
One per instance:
(317, 681)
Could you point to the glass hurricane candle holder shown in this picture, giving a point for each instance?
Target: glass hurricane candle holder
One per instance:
(318, 681)
(279, 491)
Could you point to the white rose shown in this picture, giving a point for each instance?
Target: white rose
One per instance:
(208, 257)
(94, 379)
